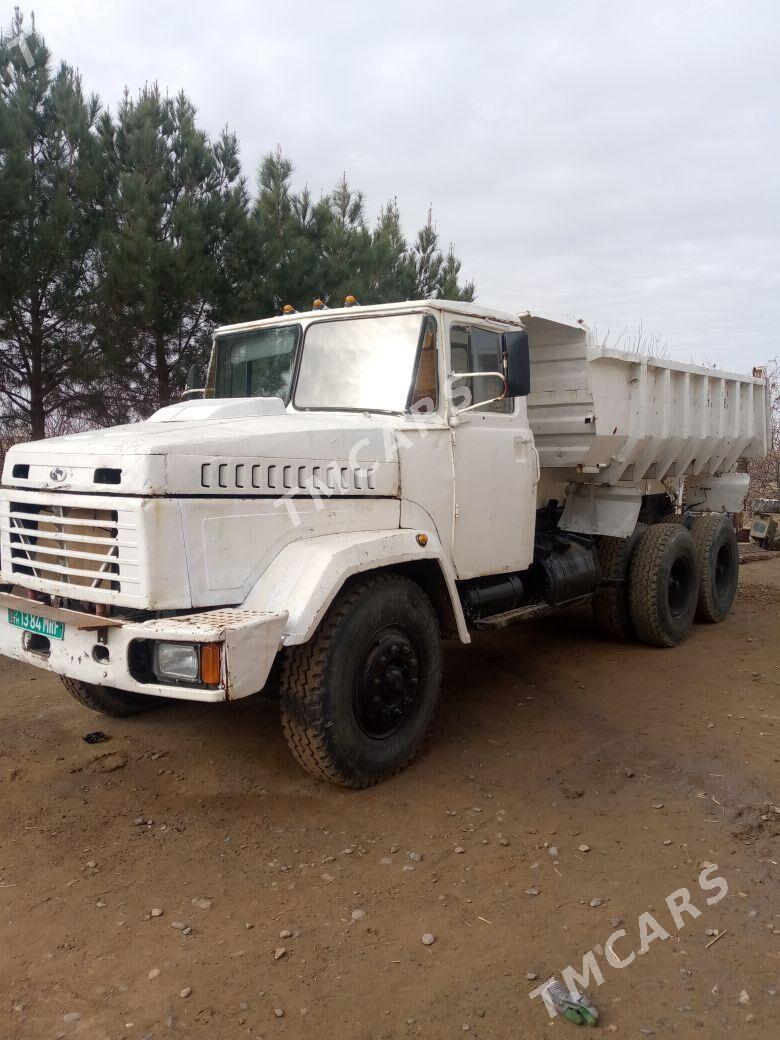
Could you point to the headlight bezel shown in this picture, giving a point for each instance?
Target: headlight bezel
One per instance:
(143, 661)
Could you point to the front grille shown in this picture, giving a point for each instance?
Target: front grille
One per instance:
(75, 547)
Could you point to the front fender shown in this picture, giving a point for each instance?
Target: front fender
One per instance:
(306, 576)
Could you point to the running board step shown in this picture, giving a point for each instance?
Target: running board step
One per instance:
(509, 617)
(525, 613)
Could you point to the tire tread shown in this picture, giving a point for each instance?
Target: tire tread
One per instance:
(610, 605)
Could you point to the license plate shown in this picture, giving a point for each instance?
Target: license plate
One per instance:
(33, 623)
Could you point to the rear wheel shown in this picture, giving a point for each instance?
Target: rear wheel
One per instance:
(718, 553)
(359, 697)
(611, 607)
(107, 700)
(664, 585)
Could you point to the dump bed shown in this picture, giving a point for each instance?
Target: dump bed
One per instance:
(626, 417)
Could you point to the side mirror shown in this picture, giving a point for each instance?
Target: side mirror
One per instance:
(195, 384)
(517, 362)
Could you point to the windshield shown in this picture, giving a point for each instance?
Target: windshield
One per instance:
(256, 364)
(359, 364)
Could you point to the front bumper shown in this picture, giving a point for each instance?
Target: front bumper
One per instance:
(248, 639)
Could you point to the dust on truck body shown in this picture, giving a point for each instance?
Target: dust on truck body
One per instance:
(351, 487)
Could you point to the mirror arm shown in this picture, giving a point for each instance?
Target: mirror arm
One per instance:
(480, 404)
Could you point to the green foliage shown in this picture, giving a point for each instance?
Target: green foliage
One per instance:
(128, 237)
(175, 196)
(52, 200)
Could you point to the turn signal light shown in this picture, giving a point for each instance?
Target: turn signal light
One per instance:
(210, 664)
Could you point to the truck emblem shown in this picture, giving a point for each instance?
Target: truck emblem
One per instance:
(58, 474)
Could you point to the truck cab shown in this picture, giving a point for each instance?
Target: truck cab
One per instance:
(352, 485)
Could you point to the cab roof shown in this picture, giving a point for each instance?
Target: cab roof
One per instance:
(468, 310)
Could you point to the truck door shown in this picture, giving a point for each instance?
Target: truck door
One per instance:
(496, 465)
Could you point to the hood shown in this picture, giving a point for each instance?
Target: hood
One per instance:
(233, 447)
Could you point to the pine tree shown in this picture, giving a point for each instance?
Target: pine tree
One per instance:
(51, 209)
(449, 287)
(165, 267)
(347, 246)
(436, 276)
(391, 271)
(427, 261)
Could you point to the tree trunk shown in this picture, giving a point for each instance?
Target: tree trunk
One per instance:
(37, 404)
(163, 371)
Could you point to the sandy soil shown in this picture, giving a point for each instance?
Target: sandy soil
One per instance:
(657, 760)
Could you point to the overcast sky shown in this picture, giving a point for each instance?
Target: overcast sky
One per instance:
(617, 161)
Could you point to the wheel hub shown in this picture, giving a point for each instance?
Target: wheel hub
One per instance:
(387, 684)
(678, 585)
(723, 570)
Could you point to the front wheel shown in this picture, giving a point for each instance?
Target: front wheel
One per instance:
(107, 700)
(359, 697)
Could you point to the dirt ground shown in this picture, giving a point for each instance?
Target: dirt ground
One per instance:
(548, 739)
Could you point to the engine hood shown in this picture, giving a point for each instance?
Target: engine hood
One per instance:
(217, 448)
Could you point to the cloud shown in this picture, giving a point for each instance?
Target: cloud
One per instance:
(613, 160)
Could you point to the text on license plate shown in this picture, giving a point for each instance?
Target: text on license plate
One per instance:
(33, 623)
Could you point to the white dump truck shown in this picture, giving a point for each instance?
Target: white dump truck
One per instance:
(349, 487)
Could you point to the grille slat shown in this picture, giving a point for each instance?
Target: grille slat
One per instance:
(6, 529)
(44, 567)
(69, 521)
(44, 550)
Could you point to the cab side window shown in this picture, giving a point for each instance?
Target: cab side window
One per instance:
(473, 349)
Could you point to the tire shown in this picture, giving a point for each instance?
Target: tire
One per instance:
(119, 704)
(382, 631)
(718, 553)
(664, 585)
(610, 603)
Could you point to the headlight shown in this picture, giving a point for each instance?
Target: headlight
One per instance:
(179, 661)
